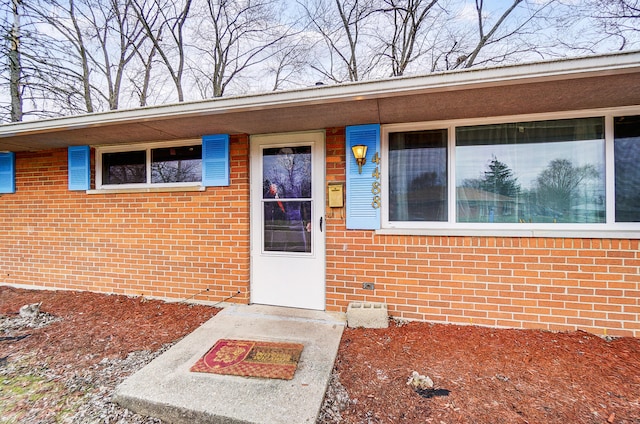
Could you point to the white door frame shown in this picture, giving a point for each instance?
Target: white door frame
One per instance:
(291, 279)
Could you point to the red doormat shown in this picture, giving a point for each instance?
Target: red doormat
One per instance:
(251, 359)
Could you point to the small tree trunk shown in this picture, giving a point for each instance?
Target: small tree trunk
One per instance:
(15, 65)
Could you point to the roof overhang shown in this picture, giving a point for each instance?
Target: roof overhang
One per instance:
(563, 85)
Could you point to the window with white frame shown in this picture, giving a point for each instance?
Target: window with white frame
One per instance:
(627, 169)
(157, 164)
(531, 172)
(528, 173)
(418, 175)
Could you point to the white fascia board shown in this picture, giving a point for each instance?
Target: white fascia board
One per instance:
(438, 82)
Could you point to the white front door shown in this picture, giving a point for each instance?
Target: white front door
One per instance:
(287, 214)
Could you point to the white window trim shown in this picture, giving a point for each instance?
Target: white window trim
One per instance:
(609, 229)
(148, 186)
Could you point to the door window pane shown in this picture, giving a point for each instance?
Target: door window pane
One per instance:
(535, 172)
(124, 167)
(627, 168)
(286, 180)
(288, 170)
(418, 176)
(287, 226)
(176, 164)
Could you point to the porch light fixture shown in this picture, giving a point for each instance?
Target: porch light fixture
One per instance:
(360, 154)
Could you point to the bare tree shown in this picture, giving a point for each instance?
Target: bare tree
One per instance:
(37, 78)
(236, 35)
(485, 38)
(15, 63)
(619, 20)
(289, 63)
(69, 56)
(518, 32)
(67, 48)
(429, 34)
(406, 41)
(64, 18)
(166, 20)
(118, 35)
(343, 25)
(91, 43)
(141, 81)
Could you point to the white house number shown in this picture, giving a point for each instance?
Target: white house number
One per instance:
(375, 186)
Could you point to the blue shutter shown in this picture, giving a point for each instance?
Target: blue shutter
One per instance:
(215, 160)
(79, 164)
(7, 172)
(361, 214)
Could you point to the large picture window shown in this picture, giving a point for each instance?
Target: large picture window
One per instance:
(540, 175)
(157, 164)
(536, 172)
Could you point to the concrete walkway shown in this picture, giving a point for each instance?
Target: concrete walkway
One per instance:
(166, 389)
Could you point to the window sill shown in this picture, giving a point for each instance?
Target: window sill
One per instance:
(146, 189)
(526, 233)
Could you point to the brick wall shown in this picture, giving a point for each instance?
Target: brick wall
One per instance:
(173, 245)
(547, 283)
(178, 245)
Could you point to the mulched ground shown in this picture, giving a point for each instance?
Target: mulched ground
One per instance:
(65, 372)
(91, 342)
(95, 326)
(491, 376)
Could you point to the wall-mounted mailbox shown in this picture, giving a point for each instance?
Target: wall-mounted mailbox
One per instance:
(336, 195)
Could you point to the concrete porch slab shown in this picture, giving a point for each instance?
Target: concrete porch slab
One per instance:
(166, 389)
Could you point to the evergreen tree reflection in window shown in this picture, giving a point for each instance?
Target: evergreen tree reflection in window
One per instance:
(559, 166)
(496, 193)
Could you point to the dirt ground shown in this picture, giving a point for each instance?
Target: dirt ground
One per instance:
(85, 344)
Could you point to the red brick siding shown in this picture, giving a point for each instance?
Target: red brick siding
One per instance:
(176, 245)
(172, 245)
(547, 283)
